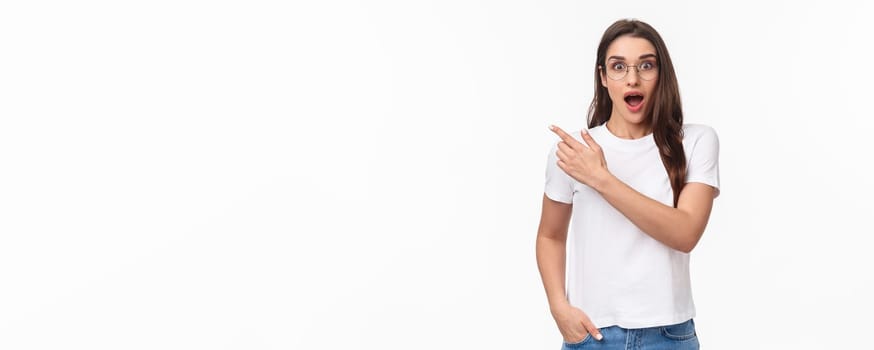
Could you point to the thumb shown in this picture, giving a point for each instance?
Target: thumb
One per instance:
(590, 327)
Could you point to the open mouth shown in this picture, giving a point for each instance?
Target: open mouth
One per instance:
(634, 99)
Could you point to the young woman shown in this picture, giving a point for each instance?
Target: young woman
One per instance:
(639, 185)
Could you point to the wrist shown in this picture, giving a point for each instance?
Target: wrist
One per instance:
(603, 181)
(558, 306)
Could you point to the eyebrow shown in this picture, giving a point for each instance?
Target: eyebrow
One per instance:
(647, 55)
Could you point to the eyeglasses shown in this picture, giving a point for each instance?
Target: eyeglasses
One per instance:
(618, 70)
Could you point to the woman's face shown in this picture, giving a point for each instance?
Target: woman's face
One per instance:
(630, 75)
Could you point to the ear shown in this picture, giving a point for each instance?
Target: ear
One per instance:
(603, 77)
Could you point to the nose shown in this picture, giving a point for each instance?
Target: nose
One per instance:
(632, 78)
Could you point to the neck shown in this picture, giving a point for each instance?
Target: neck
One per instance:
(626, 130)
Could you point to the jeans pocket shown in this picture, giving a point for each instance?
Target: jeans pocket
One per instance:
(680, 331)
(579, 343)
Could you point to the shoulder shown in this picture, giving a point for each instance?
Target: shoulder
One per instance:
(700, 140)
(695, 131)
(694, 134)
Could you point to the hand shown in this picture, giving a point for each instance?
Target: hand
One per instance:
(574, 324)
(583, 162)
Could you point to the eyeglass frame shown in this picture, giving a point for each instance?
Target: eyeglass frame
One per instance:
(627, 67)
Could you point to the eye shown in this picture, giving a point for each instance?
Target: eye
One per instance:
(618, 66)
(647, 66)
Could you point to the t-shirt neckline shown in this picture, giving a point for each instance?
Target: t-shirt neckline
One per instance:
(626, 144)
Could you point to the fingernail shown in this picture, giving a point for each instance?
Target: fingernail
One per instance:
(552, 127)
(599, 336)
(585, 131)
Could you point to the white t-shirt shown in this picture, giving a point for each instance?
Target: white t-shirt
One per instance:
(616, 273)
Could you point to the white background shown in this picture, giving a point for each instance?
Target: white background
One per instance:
(368, 175)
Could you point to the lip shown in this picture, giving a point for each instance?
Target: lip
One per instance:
(632, 92)
(634, 109)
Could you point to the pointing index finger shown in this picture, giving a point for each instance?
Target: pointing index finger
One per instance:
(564, 136)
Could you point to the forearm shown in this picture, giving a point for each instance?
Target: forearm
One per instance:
(673, 227)
(551, 263)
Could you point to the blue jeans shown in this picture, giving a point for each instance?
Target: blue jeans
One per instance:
(680, 336)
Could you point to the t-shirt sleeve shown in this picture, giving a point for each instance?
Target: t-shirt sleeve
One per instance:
(559, 185)
(703, 163)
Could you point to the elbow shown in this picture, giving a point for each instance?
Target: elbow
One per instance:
(689, 243)
(686, 247)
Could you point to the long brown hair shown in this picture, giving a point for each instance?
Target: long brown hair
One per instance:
(665, 113)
